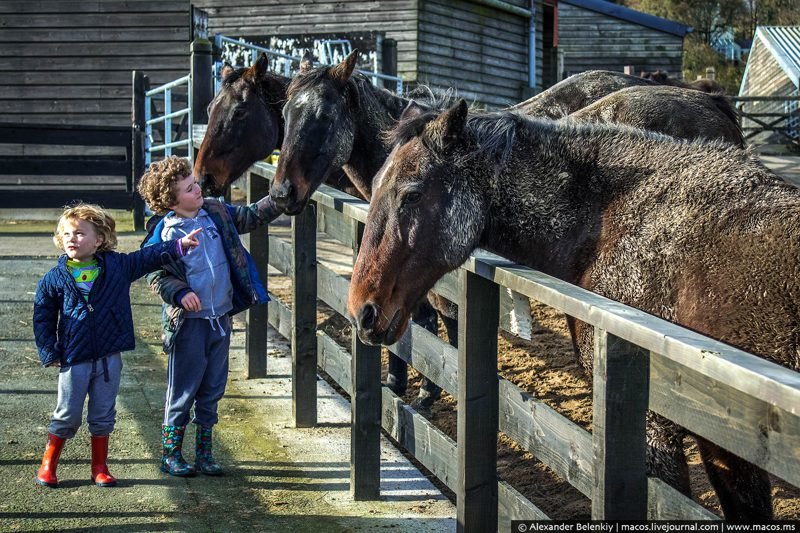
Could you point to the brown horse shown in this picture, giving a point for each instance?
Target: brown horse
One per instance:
(663, 77)
(681, 113)
(700, 234)
(244, 125)
(577, 92)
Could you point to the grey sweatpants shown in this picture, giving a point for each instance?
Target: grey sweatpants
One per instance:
(197, 371)
(99, 379)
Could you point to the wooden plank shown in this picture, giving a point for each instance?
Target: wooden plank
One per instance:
(137, 146)
(666, 503)
(476, 492)
(559, 443)
(434, 358)
(56, 150)
(332, 223)
(75, 7)
(57, 181)
(511, 505)
(59, 198)
(280, 317)
(280, 255)
(79, 92)
(764, 434)
(116, 48)
(64, 135)
(14, 108)
(313, 10)
(83, 20)
(619, 439)
(332, 288)
(745, 372)
(365, 445)
(95, 62)
(257, 316)
(304, 318)
(436, 451)
(66, 167)
(95, 35)
(335, 361)
(89, 78)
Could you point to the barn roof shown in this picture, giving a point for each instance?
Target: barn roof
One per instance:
(783, 43)
(631, 15)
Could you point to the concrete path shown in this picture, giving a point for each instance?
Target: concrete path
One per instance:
(278, 478)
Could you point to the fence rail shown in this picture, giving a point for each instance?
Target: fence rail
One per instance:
(761, 115)
(737, 400)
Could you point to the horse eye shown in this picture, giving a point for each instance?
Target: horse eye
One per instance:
(412, 198)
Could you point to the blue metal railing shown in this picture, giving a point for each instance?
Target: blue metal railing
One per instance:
(167, 146)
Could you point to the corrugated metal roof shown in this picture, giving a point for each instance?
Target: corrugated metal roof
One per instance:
(784, 44)
(631, 15)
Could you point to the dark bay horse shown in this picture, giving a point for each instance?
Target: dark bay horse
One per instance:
(674, 111)
(244, 125)
(700, 234)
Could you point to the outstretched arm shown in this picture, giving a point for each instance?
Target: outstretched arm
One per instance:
(249, 217)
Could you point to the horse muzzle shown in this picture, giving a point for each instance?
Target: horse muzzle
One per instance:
(369, 331)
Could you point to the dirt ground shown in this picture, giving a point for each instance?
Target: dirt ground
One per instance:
(546, 368)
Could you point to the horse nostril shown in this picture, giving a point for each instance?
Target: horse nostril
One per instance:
(367, 316)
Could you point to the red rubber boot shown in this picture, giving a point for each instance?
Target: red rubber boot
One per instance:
(100, 473)
(52, 453)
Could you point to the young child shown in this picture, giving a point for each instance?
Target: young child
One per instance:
(82, 321)
(201, 293)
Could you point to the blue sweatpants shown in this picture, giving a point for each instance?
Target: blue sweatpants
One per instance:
(197, 371)
(98, 379)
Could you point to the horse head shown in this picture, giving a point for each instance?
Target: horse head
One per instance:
(424, 220)
(244, 125)
(318, 135)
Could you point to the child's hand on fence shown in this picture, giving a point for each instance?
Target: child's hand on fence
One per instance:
(190, 241)
(191, 302)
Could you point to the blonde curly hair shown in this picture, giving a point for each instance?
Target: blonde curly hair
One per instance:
(157, 186)
(95, 215)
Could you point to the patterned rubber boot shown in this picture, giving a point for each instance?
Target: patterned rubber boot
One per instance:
(100, 474)
(172, 462)
(52, 453)
(204, 461)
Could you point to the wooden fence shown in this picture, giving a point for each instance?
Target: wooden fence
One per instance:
(737, 400)
(760, 116)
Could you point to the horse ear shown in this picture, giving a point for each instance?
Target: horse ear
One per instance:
(412, 110)
(344, 70)
(307, 63)
(260, 66)
(447, 128)
(226, 71)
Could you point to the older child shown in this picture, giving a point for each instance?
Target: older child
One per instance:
(201, 292)
(82, 321)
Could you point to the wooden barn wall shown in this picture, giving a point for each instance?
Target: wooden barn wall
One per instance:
(70, 61)
(480, 50)
(765, 77)
(243, 18)
(589, 40)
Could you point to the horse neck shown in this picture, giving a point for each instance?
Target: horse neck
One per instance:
(370, 148)
(546, 202)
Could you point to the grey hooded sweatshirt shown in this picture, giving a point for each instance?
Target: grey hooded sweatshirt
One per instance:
(207, 269)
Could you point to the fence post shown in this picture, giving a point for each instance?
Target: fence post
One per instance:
(365, 428)
(202, 84)
(621, 381)
(137, 147)
(257, 316)
(304, 317)
(478, 317)
(389, 62)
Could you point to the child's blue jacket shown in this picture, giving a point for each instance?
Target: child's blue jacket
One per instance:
(72, 330)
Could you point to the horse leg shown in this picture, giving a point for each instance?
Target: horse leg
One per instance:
(666, 459)
(397, 375)
(429, 391)
(743, 489)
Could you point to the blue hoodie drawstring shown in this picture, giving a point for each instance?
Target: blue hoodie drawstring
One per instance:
(211, 320)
